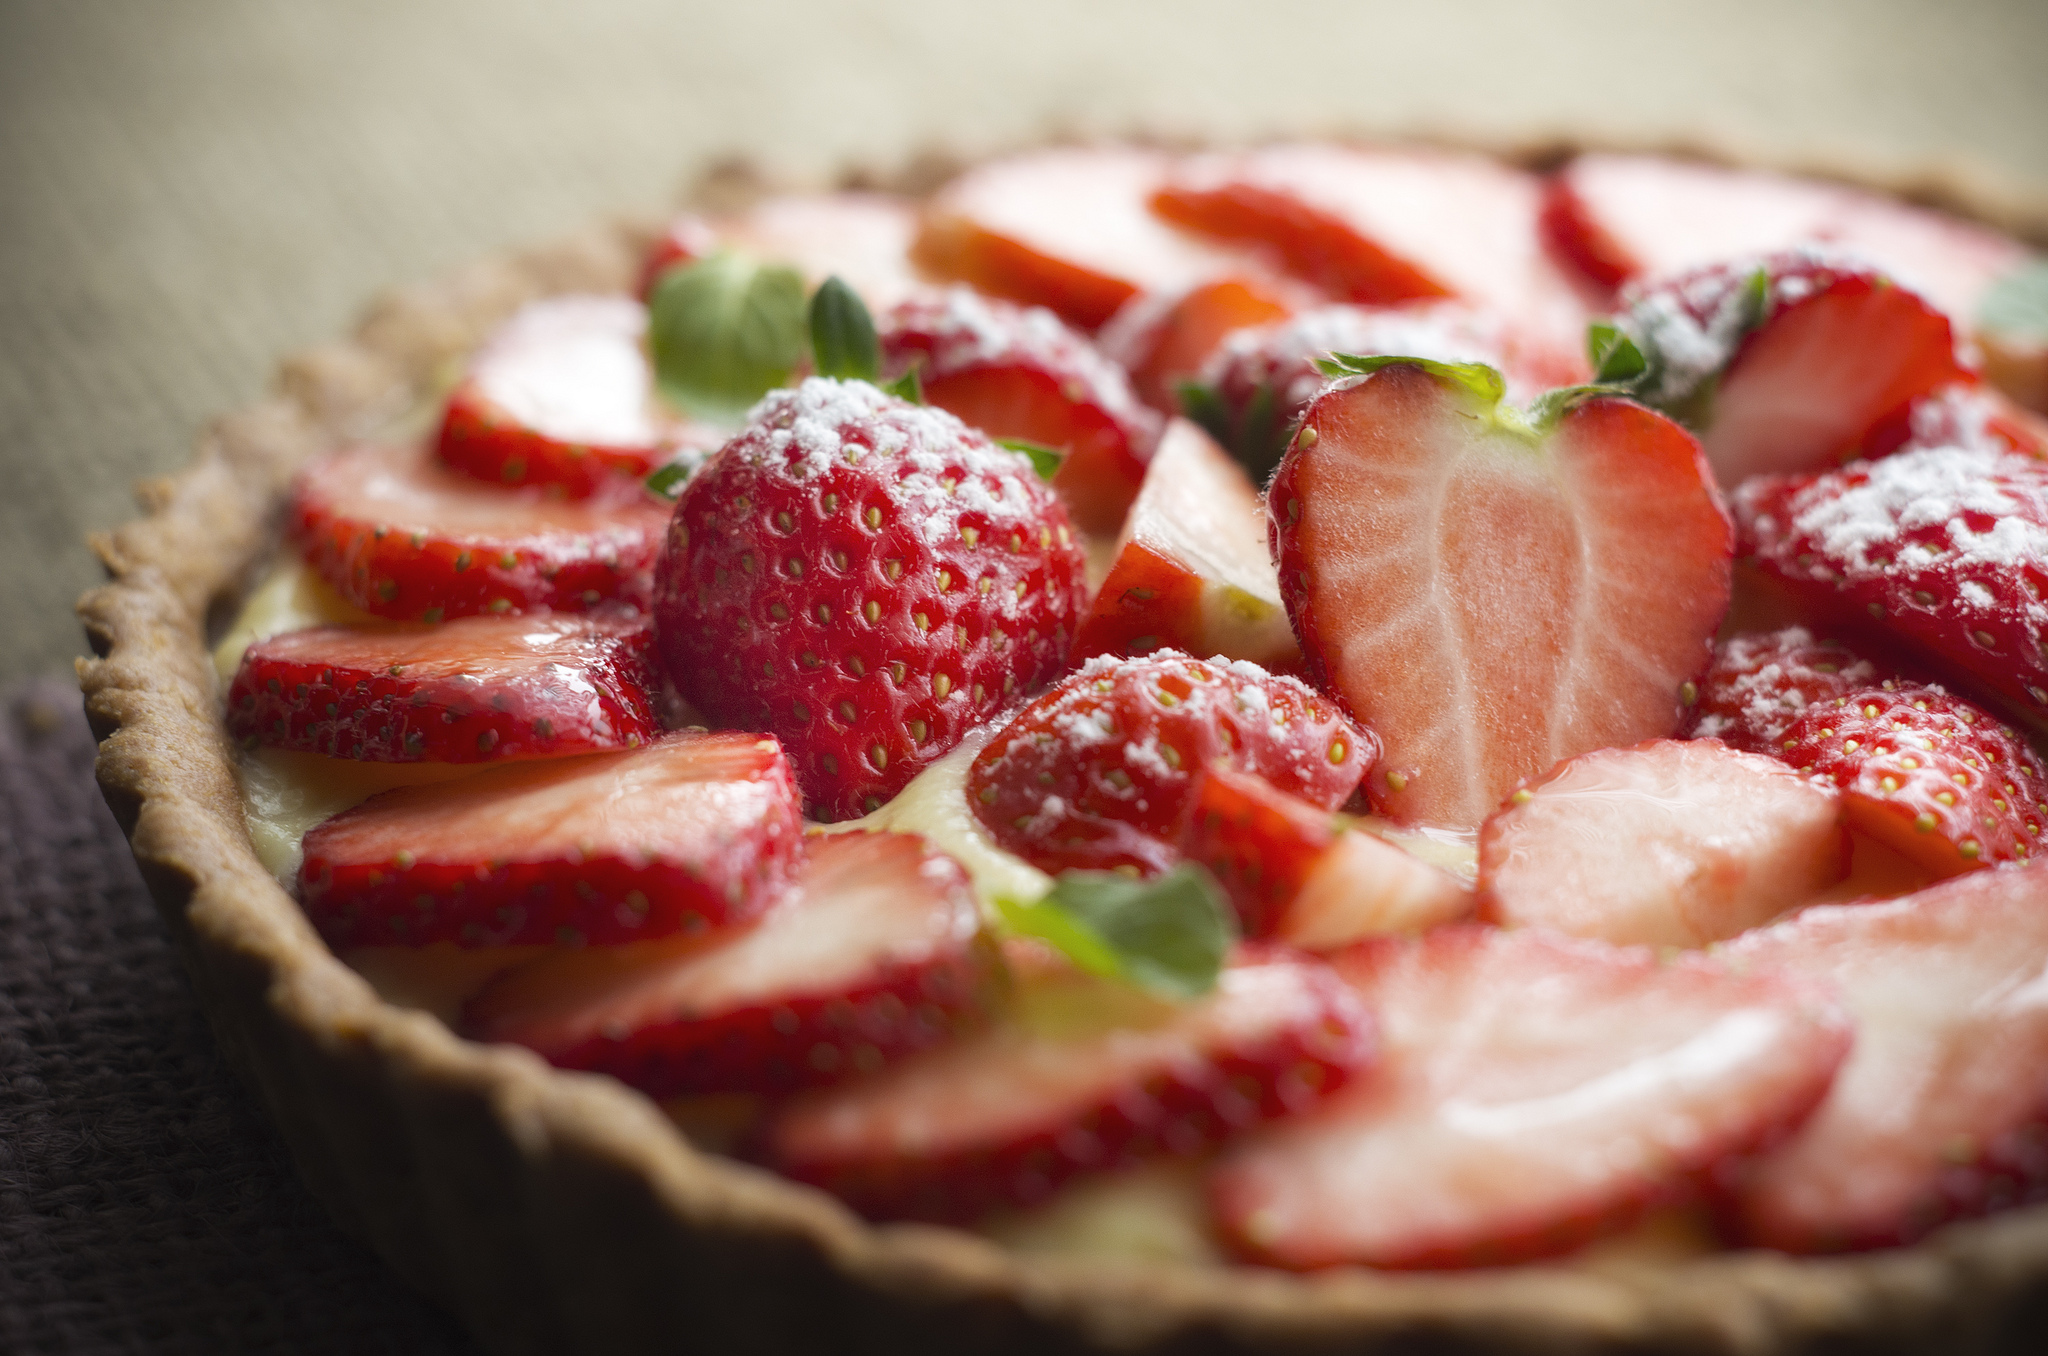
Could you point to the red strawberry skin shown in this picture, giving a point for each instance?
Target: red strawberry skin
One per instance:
(470, 690)
(402, 537)
(1020, 372)
(867, 579)
(688, 833)
(1098, 773)
(1932, 776)
(1942, 1109)
(1962, 414)
(686, 239)
(1536, 1091)
(1490, 601)
(1944, 548)
(1005, 1117)
(875, 952)
(1163, 339)
(1760, 682)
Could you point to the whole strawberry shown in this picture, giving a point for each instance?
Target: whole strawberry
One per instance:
(868, 579)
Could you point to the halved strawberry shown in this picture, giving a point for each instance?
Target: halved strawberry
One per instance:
(1670, 843)
(1760, 682)
(874, 952)
(1020, 372)
(472, 689)
(1081, 1078)
(1933, 776)
(1942, 1108)
(1296, 873)
(1097, 773)
(868, 579)
(1536, 1091)
(690, 832)
(862, 238)
(1490, 596)
(1384, 226)
(1191, 570)
(400, 536)
(562, 396)
(1070, 229)
(1164, 338)
(1944, 548)
(1787, 362)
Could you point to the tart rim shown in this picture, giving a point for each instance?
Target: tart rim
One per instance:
(562, 1211)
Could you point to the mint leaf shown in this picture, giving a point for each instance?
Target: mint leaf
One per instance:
(1615, 356)
(1200, 403)
(668, 482)
(1044, 460)
(2017, 303)
(725, 331)
(1482, 381)
(909, 386)
(843, 342)
(1167, 936)
(1545, 410)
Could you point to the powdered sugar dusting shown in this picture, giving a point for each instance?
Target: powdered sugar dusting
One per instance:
(1863, 520)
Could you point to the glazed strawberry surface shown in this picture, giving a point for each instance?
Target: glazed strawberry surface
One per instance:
(1490, 604)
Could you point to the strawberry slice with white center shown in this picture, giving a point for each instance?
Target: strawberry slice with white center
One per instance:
(1084, 1077)
(1388, 226)
(1944, 548)
(1536, 1091)
(1760, 682)
(1932, 776)
(403, 537)
(1163, 338)
(1020, 372)
(562, 395)
(1098, 773)
(1191, 570)
(468, 690)
(864, 239)
(1070, 229)
(688, 833)
(875, 951)
(1788, 362)
(1491, 596)
(1297, 874)
(1671, 843)
(1941, 1111)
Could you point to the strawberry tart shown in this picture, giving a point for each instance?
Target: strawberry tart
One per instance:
(1226, 729)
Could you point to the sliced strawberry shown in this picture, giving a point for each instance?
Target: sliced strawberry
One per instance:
(1191, 570)
(1945, 548)
(689, 832)
(1670, 843)
(1794, 373)
(869, 580)
(1536, 1091)
(1931, 775)
(1297, 874)
(402, 537)
(1387, 226)
(1963, 414)
(469, 690)
(1070, 229)
(862, 238)
(1081, 1079)
(1488, 597)
(876, 951)
(686, 239)
(1942, 1108)
(1020, 372)
(1097, 773)
(1162, 339)
(1759, 683)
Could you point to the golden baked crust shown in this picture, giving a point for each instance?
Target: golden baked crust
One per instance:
(558, 1212)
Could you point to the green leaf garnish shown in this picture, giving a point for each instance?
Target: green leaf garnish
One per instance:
(1615, 356)
(1167, 936)
(843, 340)
(1545, 410)
(669, 480)
(1044, 460)
(1481, 381)
(909, 386)
(2017, 303)
(1199, 402)
(725, 331)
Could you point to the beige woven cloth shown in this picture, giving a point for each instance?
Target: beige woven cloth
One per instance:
(189, 191)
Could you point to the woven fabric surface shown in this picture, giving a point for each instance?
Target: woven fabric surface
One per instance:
(146, 1205)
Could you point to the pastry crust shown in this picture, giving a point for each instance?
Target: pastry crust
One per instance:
(562, 1212)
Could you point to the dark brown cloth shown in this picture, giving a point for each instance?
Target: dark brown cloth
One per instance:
(146, 1205)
